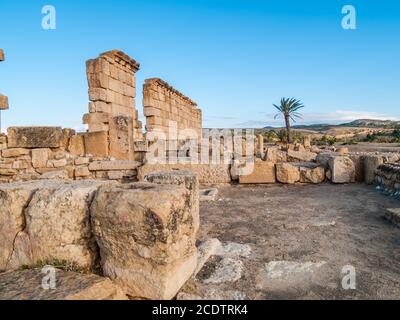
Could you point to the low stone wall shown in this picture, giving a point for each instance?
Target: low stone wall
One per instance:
(31, 153)
(144, 234)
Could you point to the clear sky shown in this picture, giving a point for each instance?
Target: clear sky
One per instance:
(234, 57)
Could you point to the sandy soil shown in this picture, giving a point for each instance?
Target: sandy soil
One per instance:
(300, 238)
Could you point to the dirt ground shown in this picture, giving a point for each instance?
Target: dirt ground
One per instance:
(292, 242)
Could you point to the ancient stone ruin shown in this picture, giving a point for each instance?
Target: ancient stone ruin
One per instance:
(98, 201)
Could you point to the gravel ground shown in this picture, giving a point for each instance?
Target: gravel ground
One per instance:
(292, 242)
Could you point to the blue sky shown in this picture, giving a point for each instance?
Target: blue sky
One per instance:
(235, 58)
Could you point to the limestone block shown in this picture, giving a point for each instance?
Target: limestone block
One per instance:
(21, 164)
(312, 173)
(207, 173)
(8, 172)
(46, 220)
(97, 144)
(40, 157)
(121, 138)
(81, 160)
(274, 154)
(56, 163)
(77, 145)
(287, 173)
(190, 181)
(35, 137)
(263, 172)
(342, 169)
(302, 156)
(113, 165)
(14, 152)
(115, 175)
(324, 158)
(81, 172)
(371, 163)
(26, 285)
(144, 232)
(96, 117)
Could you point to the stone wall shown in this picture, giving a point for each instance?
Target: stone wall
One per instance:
(163, 105)
(113, 125)
(31, 153)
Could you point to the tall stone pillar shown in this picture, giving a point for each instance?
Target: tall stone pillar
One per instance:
(113, 124)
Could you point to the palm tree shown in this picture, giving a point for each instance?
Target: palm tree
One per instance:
(288, 108)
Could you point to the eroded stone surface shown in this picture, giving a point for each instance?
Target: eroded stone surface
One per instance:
(47, 220)
(145, 233)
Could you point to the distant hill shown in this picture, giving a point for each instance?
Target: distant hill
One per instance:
(371, 123)
(360, 123)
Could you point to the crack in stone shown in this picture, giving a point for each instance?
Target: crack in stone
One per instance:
(23, 226)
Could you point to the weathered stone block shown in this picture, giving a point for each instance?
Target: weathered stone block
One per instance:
(312, 173)
(46, 220)
(263, 172)
(302, 156)
(97, 144)
(14, 152)
(26, 285)
(276, 155)
(81, 172)
(40, 157)
(145, 235)
(342, 169)
(35, 137)
(77, 145)
(287, 173)
(207, 173)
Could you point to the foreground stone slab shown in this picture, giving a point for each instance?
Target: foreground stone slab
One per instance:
(264, 172)
(34, 137)
(47, 220)
(145, 235)
(27, 285)
(342, 169)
